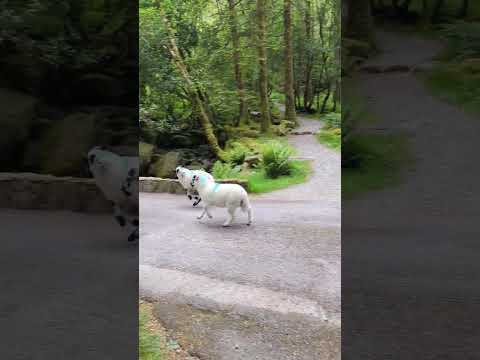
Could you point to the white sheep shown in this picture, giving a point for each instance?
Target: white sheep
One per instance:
(117, 178)
(231, 196)
(185, 176)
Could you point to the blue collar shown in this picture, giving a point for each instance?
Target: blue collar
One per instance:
(215, 188)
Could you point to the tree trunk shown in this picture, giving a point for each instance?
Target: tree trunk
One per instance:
(437, 7)
(425, 10)
(243, 117)
(463, 12)
(307, 94)
(262, 61)
(360, 25)
(195, 98)
(325, 99)
(290, 113)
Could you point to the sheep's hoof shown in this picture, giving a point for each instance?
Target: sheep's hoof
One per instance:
(189, 197)
(248, 224)
(199, 217)
(226, 225)
(210, 216)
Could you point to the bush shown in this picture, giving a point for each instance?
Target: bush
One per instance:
(351, 153)
(464, 38)
(333, 120)
(276, 159)
(145, 151)
(237, 153)
(225, 170)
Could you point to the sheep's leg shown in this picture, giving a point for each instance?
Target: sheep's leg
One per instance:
(203, 213)
(119, 216)
(231, 215)
(208, 212)
(134, 235)
(250, 216)
(197, 200)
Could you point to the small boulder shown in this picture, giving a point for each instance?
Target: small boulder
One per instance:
(252, 160)
(471, 66)
(165, 165)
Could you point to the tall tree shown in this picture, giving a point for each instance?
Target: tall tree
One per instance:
(192, 89)
(243, 117)
(463, 12)
(360, 22)
(307, 92)
(290, 113)
(262, 62)
(437, 8)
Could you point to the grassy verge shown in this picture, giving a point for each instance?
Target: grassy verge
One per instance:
(457, 85)
(383, 157)
(258, 182)
(153, 342)
(331, 138)
(256, 176)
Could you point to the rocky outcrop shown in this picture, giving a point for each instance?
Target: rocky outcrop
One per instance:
(46, 192)
(18, 112)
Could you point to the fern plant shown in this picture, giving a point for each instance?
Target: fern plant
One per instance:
(276, 159)
(222, 170)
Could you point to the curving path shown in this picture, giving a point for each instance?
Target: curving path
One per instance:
(414, 246)
(270, 291)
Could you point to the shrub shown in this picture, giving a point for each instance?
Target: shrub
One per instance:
(464, 38)
(333, 120)
(351, 153)
(276, 159)
(225, 170)
(237, 153)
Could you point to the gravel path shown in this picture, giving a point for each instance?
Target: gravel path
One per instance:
(70, 277)
(324, 186)
(409, 251)
(270, 291)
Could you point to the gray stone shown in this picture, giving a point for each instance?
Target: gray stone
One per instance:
(253, 160)
(35, 191)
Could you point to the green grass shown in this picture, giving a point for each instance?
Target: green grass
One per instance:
(151, 346)
(384, 156)
(456, 85)
(451, 7)
(258, 182)
(331, 138)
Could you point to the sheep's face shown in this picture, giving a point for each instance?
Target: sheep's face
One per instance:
(195, 181)
(180, 172)
(95, 158)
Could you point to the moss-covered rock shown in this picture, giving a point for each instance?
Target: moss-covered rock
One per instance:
(145, 152)
(356, 48)
(18, 111)
(471, 66)
(164, 166)
(241, 132)
(62, 149)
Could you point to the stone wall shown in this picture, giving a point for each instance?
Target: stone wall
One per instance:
(158, 185)
(46, 192)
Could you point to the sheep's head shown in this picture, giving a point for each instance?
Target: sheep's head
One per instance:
(195, 181)
(96, 159)
(180, 171)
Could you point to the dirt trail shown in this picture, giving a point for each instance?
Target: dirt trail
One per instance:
(410, 251)
(270, 291)
(434, 128)
(325, 182)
